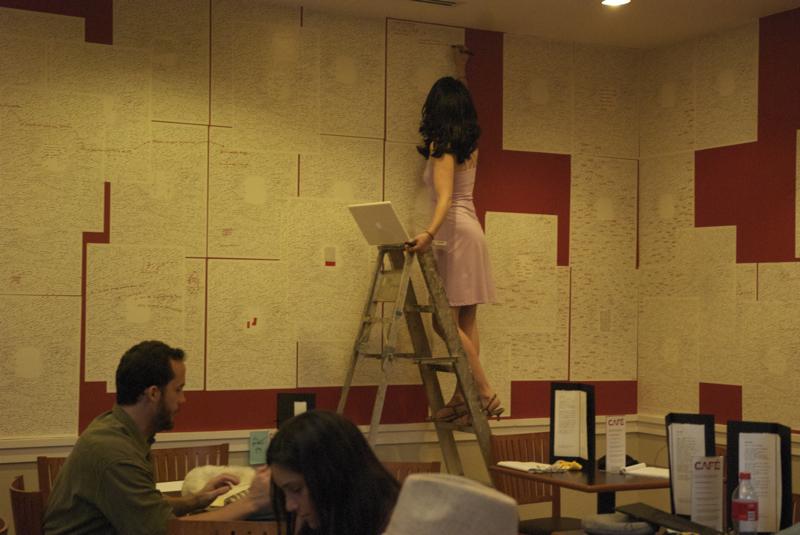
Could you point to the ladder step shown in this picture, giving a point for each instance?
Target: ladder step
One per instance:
(447, 368)
(408, 356)
(422, 309)
(440, 364)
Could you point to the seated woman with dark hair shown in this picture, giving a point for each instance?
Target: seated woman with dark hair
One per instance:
(326, 479)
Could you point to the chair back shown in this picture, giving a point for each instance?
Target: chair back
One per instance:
(27, 508)
(230, 527)
(524, 447)
(48, 468)
(172, 464)
(795, 508)
(3, 527)
(401, 469)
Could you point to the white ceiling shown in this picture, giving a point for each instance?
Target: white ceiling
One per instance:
(640, 24)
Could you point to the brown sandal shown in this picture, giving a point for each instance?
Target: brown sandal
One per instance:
(492, 408)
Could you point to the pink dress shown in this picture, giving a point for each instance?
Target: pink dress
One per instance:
(463, 260)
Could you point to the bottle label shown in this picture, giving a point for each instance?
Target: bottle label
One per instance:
(744, 510)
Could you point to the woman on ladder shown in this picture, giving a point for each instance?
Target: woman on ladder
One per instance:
(450, 132)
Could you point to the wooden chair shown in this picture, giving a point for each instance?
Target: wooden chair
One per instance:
(172, 464)
(3, 527)
(401, 470)
(795, 508)
(231, 527)
(27, 508)
(529, 447)
(48, 468)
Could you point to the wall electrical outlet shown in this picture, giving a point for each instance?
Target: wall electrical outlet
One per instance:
(259, 440)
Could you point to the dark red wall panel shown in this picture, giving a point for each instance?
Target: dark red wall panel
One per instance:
(98, 14)
(752, 185)
(531, 399)
(723, 401)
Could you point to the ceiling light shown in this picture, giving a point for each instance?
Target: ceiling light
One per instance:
(615, 3)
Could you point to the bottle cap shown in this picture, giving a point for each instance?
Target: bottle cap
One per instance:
(744, 475)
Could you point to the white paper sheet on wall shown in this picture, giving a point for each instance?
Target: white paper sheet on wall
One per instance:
(329, 267)
(603, 212)
(746, 282)
(352, 73)
(250, 336)
(606, 101)
(247, 193)
(404, 186)
(779, 281)
(346, 168)
(175, 35)
(121, 77)
(409, 79)
(603, 324)
(169, 209)
(39, 361)
(668, 359)
(667, 100)
(726, 90)
(767, 353)
(325, 352)
(194, 322)
(537, 94)
(523, 258)
(275, 85)
(229, 62)
(132, 294)
(52, 161)
(529, 324)
(26, 58)
(40, 260)
(41, 26)
(666, 204)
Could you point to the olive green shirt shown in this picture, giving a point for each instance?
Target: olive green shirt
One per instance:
(107, 483)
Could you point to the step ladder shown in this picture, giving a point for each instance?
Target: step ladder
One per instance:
(392, 285)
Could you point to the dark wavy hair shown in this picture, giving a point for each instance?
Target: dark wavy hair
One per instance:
(449, 121)
(142, 366)
(351, 490)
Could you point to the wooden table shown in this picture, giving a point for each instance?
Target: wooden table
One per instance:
(604, 484)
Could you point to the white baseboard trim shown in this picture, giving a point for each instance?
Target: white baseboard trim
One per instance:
(26, 449)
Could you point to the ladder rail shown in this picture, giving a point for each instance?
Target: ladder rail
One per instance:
(363, 332)
(406, 307)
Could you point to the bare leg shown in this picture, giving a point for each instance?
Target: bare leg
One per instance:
(465, 317)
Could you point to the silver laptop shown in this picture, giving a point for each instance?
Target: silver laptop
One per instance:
(379, 223)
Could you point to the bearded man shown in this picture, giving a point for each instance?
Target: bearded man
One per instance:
(107, 483)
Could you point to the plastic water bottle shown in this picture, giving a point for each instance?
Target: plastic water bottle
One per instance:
(744, 507)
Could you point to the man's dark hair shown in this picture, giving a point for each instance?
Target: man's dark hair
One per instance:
(144, 365)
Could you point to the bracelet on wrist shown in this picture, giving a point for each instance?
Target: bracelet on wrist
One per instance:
(428, 233)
